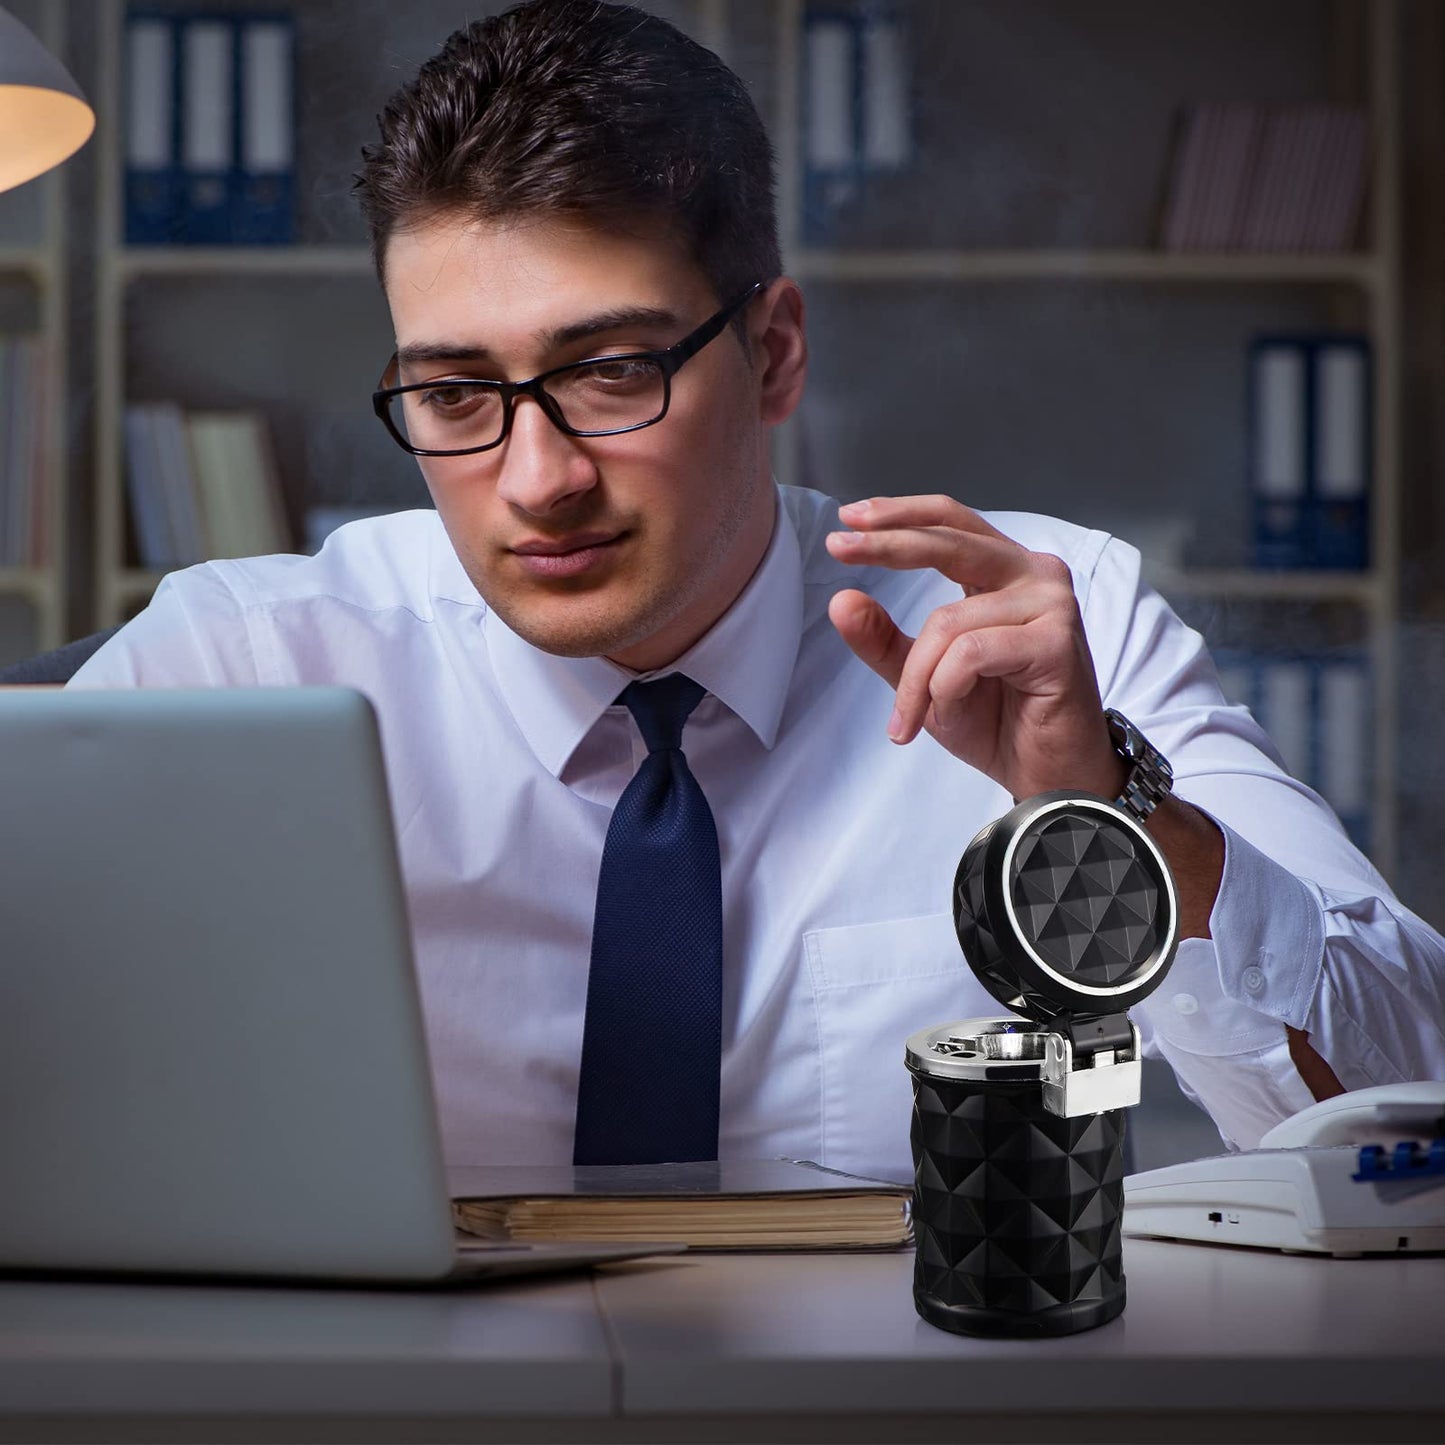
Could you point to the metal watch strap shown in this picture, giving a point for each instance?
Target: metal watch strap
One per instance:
(1150, 779)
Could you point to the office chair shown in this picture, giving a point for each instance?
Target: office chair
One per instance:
(57, 666)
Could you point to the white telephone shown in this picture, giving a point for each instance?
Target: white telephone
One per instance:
(1360, 1173)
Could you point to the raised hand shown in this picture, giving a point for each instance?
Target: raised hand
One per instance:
(1002, 677)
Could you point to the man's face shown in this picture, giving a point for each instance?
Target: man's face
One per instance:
(627, 546)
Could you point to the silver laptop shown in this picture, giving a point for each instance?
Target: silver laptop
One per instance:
(212, 1058)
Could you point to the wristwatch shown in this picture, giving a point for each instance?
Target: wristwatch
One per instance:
(1150, 779)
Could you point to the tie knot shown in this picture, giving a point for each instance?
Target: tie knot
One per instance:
(662, 707)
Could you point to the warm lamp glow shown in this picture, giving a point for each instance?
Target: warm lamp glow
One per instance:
(43, 116)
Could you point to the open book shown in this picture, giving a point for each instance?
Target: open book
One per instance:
(731, 1204)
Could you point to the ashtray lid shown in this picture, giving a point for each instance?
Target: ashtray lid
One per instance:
(1066, 906)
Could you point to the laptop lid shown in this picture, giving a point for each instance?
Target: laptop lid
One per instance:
(212, 1055)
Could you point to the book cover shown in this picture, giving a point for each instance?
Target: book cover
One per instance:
(1335, 220)
(1278, 409)
(1234, 138)
(1345, 749)
(738, 1204)
(1310, 443)
(176, 482)
(150, 518)
(35, 541)
(12, 421)
(265, 194)
(242, 512)
(1265, 219)
(208, 121)
(1340, 453)
(1307, 180)
(1302, 125)
(23, 443)
(152, 173)
(1179, 213)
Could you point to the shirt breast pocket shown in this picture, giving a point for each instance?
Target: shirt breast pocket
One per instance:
(873, 985)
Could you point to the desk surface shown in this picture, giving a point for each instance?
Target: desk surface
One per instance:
(734, 1347)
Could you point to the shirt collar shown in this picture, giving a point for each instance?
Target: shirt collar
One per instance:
(745, 660)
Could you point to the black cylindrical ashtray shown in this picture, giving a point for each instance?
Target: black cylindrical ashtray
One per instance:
(1017, 1211)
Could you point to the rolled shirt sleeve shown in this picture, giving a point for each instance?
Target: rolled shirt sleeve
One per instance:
(1304, 932)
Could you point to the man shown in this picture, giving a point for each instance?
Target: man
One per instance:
(571, 210)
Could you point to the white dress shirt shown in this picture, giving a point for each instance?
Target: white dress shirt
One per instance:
(839, 847)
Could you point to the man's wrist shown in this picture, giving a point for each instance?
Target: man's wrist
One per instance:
(1194, 845)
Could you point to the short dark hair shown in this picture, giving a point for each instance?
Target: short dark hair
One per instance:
(581, 109)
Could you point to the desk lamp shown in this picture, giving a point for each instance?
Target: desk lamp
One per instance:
(43, 116)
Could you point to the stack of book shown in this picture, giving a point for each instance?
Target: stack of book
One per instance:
(201, 485)
(209, 129)
(22, 451)
(738, 1204)
(1245, 176)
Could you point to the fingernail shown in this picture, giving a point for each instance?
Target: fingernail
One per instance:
(895, 726)
(846, 538)
(856, 508)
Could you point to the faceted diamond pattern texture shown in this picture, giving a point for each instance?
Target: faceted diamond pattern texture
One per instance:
(981, 946)
(1085, 900)
(1016, 1211)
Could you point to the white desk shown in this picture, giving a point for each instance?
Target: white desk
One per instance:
(1215, 1344)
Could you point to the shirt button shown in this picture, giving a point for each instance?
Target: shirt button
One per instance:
(1253, 980)
(1186, 1003)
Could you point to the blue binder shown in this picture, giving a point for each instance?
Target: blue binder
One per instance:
(152, 130)
(1310, 446)
(265, 195)
(1344, 699)
(207, 45)
(1320, 719)
(1341, 445)
(857, 113)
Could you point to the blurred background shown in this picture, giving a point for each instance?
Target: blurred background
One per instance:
(1172, 270)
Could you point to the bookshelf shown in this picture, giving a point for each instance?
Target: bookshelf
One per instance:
(1045, 264)
(34, 300)
(1359, 61)
(1021, 283)
(159, 335)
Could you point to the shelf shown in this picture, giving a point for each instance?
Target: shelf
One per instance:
(34, 261)
(1367, 589)
(1351, 268)
(1358, 269)
(243, 261)
(135, 582)
(34, 582)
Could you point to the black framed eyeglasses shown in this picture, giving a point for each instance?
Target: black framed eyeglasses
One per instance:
(599, 397)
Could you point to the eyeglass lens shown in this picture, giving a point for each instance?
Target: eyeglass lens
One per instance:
(605, 395)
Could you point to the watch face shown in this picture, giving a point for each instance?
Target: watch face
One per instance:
(1134, 746)
(1066, 905)
(1127, 738)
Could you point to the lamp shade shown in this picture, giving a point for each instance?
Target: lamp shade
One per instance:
(43, 116)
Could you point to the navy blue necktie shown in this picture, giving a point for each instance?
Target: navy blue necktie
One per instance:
(652, 1044)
